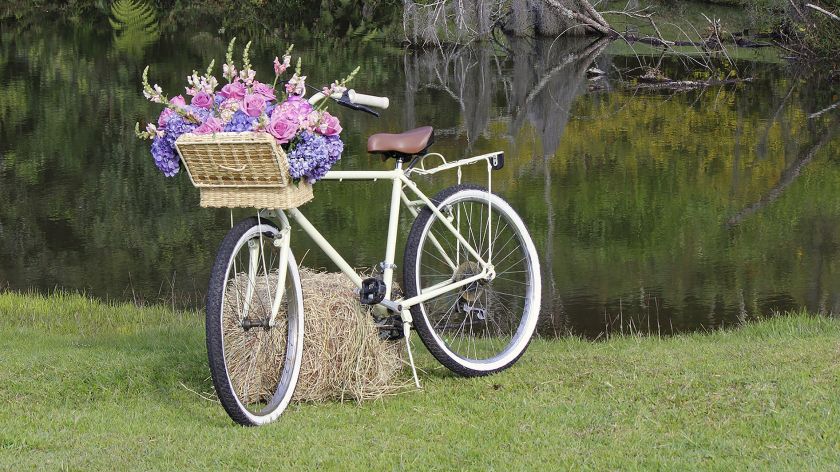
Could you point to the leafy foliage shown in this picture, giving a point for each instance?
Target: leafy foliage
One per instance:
(135, 26)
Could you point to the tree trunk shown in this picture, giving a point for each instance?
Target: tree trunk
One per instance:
(461, 21)
(579, 14)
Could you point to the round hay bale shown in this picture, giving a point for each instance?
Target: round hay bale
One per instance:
(343, 356)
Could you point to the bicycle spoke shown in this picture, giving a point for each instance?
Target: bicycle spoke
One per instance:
(481, 319)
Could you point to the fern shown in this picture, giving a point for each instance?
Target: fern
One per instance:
(135, 26)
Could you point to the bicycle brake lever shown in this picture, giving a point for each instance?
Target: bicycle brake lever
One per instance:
(345, 102)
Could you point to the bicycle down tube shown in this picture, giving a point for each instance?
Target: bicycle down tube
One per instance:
(398, 194)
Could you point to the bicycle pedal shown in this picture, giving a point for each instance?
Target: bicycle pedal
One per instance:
(390, 328)
(372, 291)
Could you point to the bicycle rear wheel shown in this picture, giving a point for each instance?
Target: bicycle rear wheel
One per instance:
(485, 326)
(254, 366)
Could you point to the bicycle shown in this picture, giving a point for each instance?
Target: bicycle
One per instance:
(471, 278)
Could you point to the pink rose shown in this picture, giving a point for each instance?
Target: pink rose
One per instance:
(295, 109)
(234, 90)
(264, 90)
(212, 125)
(281, 128)
(167, 113)
(329, 125)
(253, 104)
(202, 100)
(178, 100)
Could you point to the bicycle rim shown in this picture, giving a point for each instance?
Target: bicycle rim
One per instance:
(486, 325)
(260, 363)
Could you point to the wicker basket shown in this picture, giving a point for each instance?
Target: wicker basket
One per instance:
(235, 170)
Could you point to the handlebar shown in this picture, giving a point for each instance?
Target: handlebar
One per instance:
(368, 100)
(353, 100)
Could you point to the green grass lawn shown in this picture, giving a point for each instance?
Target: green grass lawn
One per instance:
(85, 385)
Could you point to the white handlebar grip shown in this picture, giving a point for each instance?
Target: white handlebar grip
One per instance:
(368, 100)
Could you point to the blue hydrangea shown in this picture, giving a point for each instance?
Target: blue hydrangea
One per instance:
(240, 122)
(218, 99)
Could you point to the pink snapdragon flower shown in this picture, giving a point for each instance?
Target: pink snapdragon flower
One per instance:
(247, 76)
(334, 89)
(235, 91)
(212, 125)
(296, 85)
(280, 68)
(253, 104)
(152, 130)
(229, 72)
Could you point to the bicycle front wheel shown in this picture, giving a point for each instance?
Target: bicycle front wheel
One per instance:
(254, 365)
(484, 326)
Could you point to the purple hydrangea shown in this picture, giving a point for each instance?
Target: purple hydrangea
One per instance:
(240, 122)
(201, 113)
(335, 146)
(314, 155)
(165, 157)
(218, 99)
(163, 148)
(177, 126)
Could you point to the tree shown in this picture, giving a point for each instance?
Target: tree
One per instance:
(440, 21)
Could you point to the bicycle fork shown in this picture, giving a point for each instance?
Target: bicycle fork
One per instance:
(283, 243)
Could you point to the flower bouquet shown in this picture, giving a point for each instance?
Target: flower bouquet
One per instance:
(246, 135)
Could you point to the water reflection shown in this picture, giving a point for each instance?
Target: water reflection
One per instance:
(662, 211)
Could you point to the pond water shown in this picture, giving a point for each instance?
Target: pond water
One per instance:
(660, 211)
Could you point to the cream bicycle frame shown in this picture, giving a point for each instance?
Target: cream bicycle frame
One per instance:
(400, 181)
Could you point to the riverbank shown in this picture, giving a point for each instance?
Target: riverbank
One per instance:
(86, 385)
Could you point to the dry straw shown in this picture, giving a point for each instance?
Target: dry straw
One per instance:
(343, 356)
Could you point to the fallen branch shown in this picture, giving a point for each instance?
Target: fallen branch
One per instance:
(823, 111)
(824, 11)
(649, 17)
(595, 23)
(683, 85)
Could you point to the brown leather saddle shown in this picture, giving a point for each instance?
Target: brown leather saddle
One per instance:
(402, 145)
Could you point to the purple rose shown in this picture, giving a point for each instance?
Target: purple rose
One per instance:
(264, 90)
(253, 104)
(212, 125)
(202, 100)
(329, 125)
(282, 129)
(233, 90)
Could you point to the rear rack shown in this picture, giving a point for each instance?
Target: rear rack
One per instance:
(495, 161)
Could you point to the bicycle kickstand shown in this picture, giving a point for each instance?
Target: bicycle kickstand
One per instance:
(406, 319)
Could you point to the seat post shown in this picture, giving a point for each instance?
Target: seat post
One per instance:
(393, 227)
